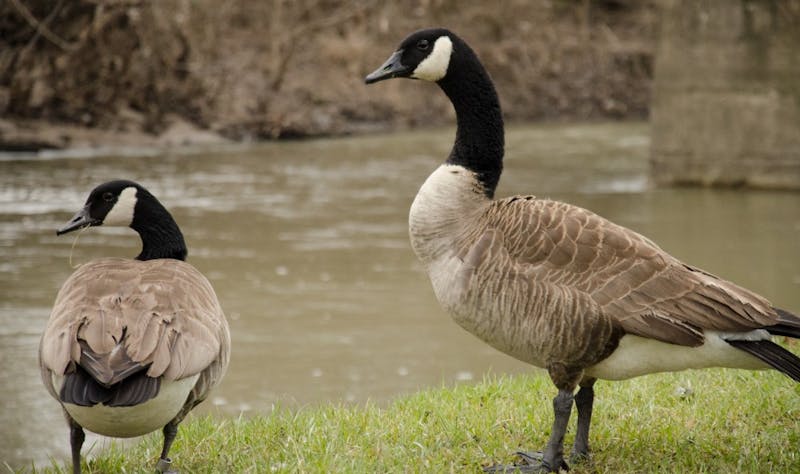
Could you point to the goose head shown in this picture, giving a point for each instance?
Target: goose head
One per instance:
(424, 54)
(438, 55)
(127, 204)
(111, 203)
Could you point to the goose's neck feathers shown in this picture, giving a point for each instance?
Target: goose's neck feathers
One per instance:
(479, 139)
(160, 234)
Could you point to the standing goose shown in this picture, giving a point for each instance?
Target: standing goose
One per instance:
(133, 345)
(555, 285)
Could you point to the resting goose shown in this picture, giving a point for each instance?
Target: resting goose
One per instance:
(558, 286)
(133, 345)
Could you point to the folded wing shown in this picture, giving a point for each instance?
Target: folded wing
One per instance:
(119, 318)
(648, 292)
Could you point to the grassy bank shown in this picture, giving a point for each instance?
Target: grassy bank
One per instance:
(733, 421)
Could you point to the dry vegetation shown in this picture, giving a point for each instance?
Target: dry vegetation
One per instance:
(267, 69)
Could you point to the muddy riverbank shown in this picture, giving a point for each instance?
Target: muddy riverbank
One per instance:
(176, 72)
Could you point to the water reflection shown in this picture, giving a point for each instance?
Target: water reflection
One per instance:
(306, 244)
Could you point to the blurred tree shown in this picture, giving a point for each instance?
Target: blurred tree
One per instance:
(252, 69)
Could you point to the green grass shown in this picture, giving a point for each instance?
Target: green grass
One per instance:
(735, 421)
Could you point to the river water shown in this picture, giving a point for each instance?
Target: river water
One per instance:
(306, 244)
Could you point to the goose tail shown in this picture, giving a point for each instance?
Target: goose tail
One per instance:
(788, 325)
(80, 388)
(772, 354)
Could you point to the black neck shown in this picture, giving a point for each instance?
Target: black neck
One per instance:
(161, 237)
(480, 138)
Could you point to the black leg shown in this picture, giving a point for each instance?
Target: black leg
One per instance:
(76, 437)
(170, 431)
(583, 402)
(553, 458)
(565, 378)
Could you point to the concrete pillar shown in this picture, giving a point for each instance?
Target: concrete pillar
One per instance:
(726, 98)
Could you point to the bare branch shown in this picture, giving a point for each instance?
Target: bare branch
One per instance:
(41, 26)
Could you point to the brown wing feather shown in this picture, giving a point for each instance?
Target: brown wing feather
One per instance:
(161, 313)
(647, 291)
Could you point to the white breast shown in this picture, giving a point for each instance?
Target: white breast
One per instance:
(126, 422)
(447, 202)
(639, 356)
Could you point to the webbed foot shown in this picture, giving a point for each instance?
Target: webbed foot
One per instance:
(529, 462)
(164, 466)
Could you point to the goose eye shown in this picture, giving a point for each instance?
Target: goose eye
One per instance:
(422, 45)
(108, 197)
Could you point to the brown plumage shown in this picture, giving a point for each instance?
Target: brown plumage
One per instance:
(562, 284)
(133, 345)
(116, 317)
(555, 285)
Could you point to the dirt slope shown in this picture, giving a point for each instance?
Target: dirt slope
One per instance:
(175, 71)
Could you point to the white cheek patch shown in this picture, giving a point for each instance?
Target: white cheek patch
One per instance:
(434, 67)
(122, 212)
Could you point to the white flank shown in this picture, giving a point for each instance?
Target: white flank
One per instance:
(122, 212)
(754, 335)
(126, 422)
(434, 67)
(639, 356)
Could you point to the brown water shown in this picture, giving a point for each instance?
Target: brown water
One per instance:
(306, 244)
